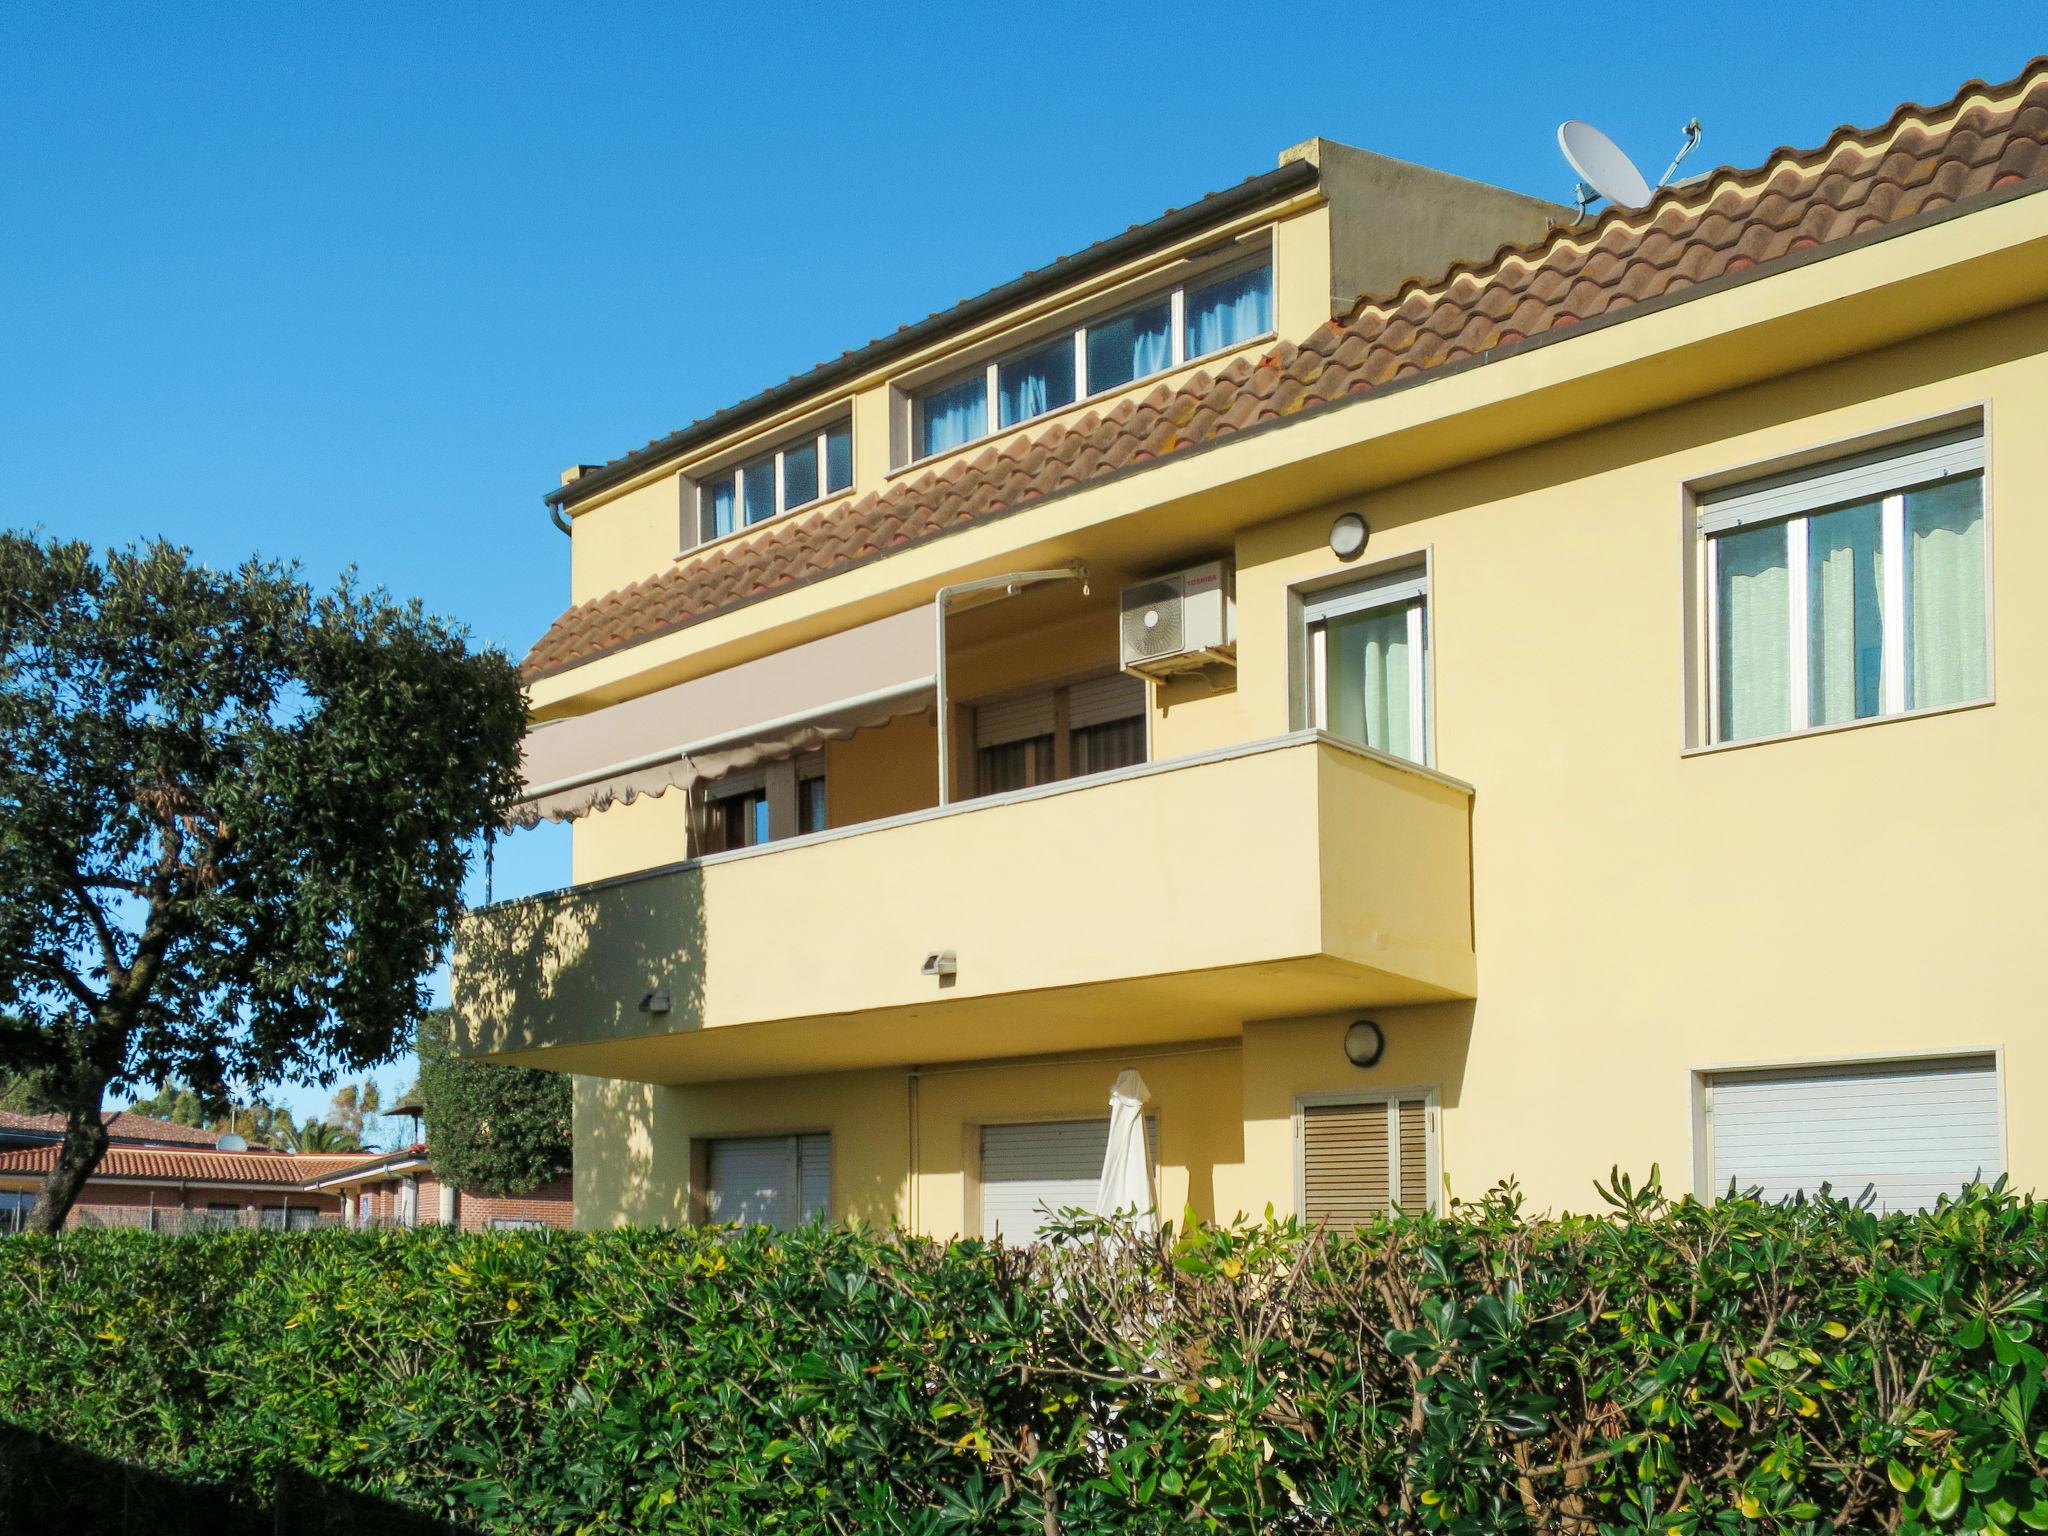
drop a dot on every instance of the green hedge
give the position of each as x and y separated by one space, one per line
1662 1367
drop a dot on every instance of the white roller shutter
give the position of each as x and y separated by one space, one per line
1029 1172
776 1181
1911 1131
814 1177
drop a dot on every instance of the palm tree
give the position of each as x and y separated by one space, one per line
321 1136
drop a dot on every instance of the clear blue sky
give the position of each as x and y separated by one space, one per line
350 284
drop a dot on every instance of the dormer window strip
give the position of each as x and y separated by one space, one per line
797 474
1213 312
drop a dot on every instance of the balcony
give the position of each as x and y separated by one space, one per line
1168 902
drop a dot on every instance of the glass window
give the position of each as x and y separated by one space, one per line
1112 744
1845 622
839 458
1013 765
757 490
1828 611
810 805
1752 603
721 508
1946 641
1369 664
1037 382
948 417
736 821
800 473
1130 346
1228 311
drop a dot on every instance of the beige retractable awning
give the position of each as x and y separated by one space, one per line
763 710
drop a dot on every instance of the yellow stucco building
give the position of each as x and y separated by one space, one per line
1577 704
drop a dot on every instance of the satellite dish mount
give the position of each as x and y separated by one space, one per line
1605 171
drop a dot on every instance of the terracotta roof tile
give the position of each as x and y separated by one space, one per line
121 1125
198 1165
1984 140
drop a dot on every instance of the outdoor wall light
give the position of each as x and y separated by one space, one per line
1363 1043
942 963
656 1001
1348 535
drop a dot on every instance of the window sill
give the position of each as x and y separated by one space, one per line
1713 748
1086 402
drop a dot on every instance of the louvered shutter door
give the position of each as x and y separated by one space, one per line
1414 1155
1029 1172
1102 699
1345 1162
1911 1130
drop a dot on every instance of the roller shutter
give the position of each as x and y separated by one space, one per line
1908 1131
1119 696
1017 718
1359 1156
776 1181
1029 1172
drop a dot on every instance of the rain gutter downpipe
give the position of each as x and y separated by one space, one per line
1009 585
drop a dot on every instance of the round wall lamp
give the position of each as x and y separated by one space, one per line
1348 535
1363 1043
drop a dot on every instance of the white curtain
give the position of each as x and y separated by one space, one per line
1230 311
1031 386
950 417
1845 615
1130 346
1946 639
724 510
1753 615
1370 669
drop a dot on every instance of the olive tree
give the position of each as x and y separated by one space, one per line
234 822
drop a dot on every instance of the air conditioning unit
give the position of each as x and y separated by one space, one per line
1180 623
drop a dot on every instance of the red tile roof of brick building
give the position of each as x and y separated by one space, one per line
122 1125
196 1166
1985 143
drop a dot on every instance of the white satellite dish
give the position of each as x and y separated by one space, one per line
1601 165
231 1143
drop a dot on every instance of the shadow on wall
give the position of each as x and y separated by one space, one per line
612 961
47 1485
629 1169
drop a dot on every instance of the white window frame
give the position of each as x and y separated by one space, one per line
1885 475
706 484
1077 336
1432 1133
1407 584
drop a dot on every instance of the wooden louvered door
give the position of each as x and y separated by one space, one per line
1358 1156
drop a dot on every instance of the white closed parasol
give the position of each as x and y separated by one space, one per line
1126 1186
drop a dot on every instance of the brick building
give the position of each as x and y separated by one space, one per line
172 1178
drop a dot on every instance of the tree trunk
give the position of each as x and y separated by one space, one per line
85 1140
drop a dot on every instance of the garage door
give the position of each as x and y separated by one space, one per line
775 1181
1031 1171
1910 1131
